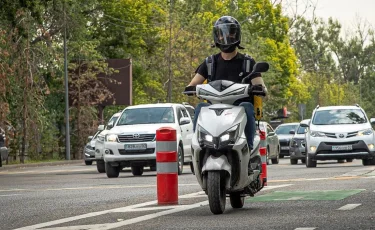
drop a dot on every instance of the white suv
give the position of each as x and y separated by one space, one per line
339 133
131 142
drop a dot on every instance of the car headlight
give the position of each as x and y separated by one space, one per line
365 132
229 136
317 134
111 138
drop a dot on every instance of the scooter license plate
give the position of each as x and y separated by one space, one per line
342 147
284 147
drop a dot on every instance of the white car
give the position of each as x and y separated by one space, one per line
99 142
339 133
131 142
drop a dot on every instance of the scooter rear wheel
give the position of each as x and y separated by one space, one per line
216 192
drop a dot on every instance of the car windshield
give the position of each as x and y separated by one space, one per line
285 129
153 115
301 130
339 117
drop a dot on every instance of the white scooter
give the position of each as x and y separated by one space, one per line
222 162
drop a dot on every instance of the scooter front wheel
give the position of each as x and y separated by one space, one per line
216 192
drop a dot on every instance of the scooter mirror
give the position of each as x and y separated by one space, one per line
261 67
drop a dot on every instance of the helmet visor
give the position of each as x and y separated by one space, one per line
226 34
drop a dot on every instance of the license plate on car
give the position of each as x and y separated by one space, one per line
342 147
284 147
135 146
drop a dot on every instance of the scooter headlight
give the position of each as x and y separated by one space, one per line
229 136
204 136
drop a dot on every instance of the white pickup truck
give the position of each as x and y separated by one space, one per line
131 142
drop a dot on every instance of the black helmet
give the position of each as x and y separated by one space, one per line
227 33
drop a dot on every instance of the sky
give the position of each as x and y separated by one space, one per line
345 11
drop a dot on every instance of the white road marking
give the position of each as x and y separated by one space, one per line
359 172
348 207
90 188
11 195
46 172
304 228
141 206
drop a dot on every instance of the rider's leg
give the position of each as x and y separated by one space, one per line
250 125
197 111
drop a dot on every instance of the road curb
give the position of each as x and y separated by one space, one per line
30 165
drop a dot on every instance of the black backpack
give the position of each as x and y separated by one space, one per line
211 65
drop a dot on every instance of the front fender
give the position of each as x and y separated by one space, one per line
218 164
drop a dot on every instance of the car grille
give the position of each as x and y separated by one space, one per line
284 143
131 152
136 138
342 143
333 135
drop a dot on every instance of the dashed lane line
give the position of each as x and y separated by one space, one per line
304 228
349 207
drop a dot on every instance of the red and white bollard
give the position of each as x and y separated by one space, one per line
167 166
263 154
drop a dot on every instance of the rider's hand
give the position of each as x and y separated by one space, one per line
258 90
190 88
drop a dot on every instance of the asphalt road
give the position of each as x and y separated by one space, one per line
331 196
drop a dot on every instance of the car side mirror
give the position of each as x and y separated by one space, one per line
304 124
184 121
90 138
110 125
292 132
100 127
372 121
271 133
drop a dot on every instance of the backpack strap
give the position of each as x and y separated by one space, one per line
210 67
246 64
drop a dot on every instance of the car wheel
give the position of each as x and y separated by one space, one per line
192 168
1 161
111 171
293 161
100 166
137 170
349 160
309 162
267 157
276 160
366 162
340 161
180 160
88 162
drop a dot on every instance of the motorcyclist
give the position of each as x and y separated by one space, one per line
228 65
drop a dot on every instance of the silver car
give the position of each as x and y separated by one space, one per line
285 132
297 147
89 150
3 149
273 145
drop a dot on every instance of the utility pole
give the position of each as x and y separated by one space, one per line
169 94
67 132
